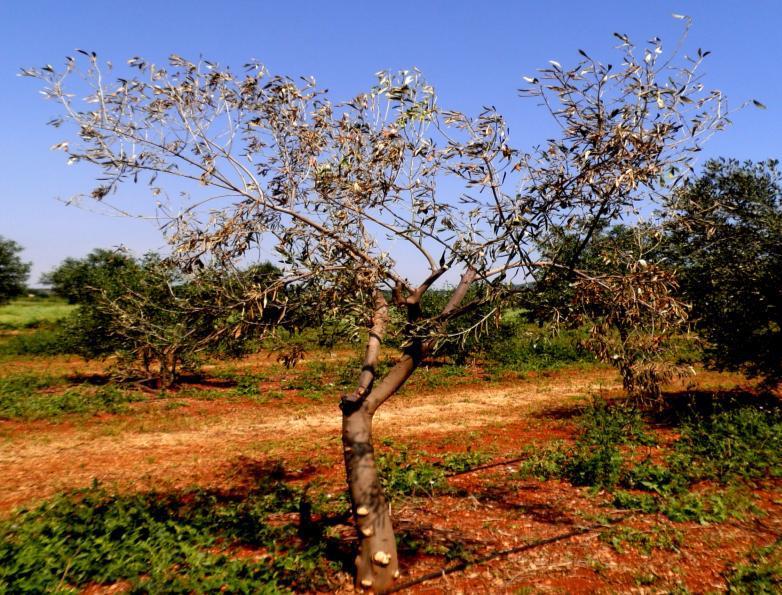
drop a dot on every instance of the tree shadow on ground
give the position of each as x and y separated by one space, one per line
560 412
202 380
243 472
416 539
91 379
677 407
184 381
248 477
509 496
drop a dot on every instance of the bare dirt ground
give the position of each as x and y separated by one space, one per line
526 536
184 446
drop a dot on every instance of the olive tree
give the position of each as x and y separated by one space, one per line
725 236
371 202
634 314
13 271
630 302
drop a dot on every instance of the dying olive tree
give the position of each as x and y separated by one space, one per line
634 314
371 202
629 301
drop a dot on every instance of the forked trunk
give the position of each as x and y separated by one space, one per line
168 361
377 564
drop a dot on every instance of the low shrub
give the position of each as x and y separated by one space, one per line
595 459
761 574
521 347
175 543
24 397
45 340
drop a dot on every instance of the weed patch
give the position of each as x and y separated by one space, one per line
760 574
704 507
595 459
660 537
743 443
730 447
460 462
403 475
177 543
22 397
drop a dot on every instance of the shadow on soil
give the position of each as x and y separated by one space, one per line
677 406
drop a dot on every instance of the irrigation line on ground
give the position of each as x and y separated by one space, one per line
459 566
487 466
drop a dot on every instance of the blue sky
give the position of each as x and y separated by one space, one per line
474 53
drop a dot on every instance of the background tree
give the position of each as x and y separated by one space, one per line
155 317
76 279
13 272
630 302
726 238
352 196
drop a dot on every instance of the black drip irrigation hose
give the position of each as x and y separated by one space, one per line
501 553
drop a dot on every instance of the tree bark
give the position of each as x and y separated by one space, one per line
376 562
377 565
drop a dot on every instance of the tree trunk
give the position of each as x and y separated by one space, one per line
376 562
168 361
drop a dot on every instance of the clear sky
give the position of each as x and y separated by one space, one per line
474 53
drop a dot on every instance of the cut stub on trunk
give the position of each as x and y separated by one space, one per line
376 562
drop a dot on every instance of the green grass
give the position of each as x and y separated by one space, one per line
662 537
30 396
159 543
32 312
761 573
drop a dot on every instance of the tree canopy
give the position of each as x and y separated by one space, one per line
369 202
726 239
13 271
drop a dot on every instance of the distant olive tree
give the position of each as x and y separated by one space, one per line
726 239
630 302
155 317
13 271
354 200
76 279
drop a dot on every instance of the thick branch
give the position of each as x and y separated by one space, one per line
415 353
372 353
416 296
